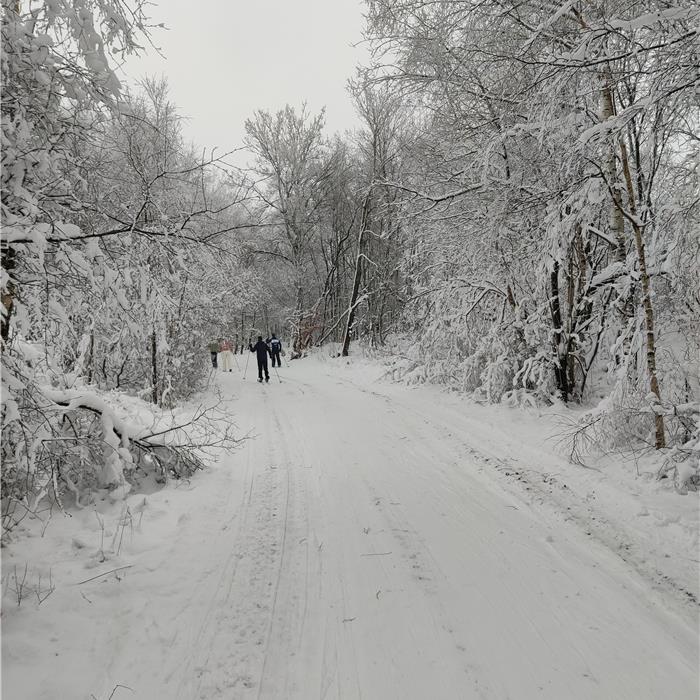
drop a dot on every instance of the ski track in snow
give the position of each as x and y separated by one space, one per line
356 547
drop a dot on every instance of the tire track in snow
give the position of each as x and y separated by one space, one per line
278 577
180 658
203 645
398 582
293 656
227 653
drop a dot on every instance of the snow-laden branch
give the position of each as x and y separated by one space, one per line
430 198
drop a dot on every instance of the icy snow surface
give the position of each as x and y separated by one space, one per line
368 541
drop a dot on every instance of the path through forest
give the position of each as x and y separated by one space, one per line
358 547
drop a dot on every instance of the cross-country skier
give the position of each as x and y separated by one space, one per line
214 350
275 348
261 350
225 349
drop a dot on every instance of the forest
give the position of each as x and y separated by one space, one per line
516 219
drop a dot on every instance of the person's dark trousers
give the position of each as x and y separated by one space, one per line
262 366
276 355
213 360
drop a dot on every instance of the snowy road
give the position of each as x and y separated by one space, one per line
355 549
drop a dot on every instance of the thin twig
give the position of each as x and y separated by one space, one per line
111 571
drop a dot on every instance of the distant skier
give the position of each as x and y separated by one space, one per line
214 350
275 349
225 348
261 350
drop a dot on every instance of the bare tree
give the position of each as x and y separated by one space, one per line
292 165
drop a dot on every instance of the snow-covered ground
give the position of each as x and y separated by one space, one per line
368 541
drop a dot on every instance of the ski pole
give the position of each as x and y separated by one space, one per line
247 359
276 372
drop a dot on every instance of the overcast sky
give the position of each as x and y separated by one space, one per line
226 58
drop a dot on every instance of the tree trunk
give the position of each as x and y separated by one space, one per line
298 313
617 221
660 441
358 274
8 293
154 368
91 354
560 350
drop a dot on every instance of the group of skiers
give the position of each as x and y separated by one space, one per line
262 348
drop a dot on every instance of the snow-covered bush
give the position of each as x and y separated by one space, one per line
65 446
108 262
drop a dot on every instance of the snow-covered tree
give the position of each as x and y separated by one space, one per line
112 229
539 196
292 167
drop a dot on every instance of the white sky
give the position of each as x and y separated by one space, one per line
226 58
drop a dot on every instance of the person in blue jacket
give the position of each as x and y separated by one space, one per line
275 349
261 351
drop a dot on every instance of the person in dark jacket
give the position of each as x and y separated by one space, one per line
261 350
214 350
275 349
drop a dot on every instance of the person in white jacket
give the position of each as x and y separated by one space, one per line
226 355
